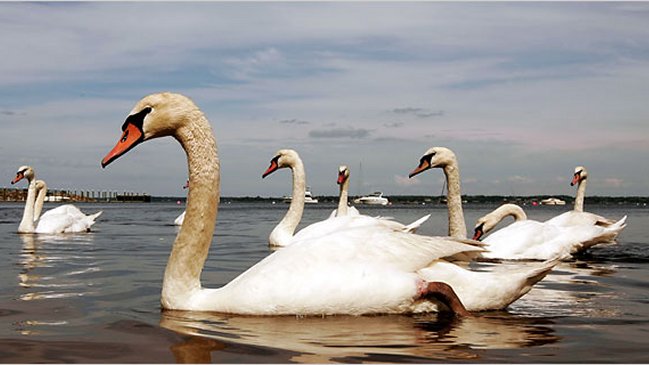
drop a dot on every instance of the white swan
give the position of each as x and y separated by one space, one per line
352 271
284 233
343 197
533 240
577 216
444 158
63 219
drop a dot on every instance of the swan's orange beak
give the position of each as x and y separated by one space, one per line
477 234
19 176
272 168
423 166
341 178
131 137
575 179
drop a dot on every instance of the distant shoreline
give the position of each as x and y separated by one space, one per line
427 199
333 199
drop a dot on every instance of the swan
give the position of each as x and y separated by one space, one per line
577 216
63 219
284 233
352 271
444 158
179 220
343 207
533 240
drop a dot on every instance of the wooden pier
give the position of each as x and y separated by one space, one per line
61 195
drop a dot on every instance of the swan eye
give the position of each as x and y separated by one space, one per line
427 158
137 119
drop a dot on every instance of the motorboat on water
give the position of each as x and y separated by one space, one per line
308 197
376 198
553 201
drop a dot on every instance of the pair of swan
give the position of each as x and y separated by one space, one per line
350 271
284 233
63 219
559 237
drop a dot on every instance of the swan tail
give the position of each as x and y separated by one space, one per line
412 227
93 217
607 237
529 277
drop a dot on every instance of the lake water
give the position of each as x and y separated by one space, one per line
94 298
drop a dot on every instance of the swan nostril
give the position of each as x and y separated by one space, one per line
124 136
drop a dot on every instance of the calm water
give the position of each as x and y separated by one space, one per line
95 298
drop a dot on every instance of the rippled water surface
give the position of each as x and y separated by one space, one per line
95 298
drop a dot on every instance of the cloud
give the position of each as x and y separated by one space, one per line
393 125
612 182
520 179
354 133
418 112
10 113
293 121
405 181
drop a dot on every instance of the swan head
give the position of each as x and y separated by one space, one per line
580 175
155 115
283 158
24 172
343 174
435 157
484 225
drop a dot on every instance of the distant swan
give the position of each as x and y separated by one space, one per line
63 219
343 208
179 220
352 271
577 216
284 233
533 240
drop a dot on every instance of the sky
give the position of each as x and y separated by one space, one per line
522 92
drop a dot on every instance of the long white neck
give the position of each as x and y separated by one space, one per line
506 210
456 224
27 223
189 252
342 202
41 187
579 198
283 232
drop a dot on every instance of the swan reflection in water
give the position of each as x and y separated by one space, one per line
53 267
357 338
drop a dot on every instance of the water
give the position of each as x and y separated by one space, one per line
94 298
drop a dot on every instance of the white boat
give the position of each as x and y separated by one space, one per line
553 201
376 198
56 198
308 197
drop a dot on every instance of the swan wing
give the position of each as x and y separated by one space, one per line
356 270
